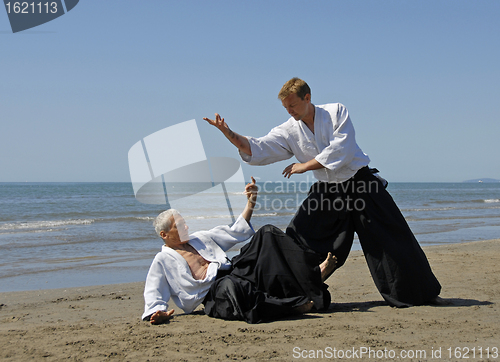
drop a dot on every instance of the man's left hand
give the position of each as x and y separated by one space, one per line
294 168
251 190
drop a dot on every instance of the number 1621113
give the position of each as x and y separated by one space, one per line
31 8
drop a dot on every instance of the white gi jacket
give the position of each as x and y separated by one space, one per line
333 144
170 277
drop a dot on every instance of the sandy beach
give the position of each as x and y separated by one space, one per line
103 322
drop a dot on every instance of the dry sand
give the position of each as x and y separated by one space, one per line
102 323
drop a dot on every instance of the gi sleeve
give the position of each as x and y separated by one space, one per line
271 148
226 236
342 146
156 290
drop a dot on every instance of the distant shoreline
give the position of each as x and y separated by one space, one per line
482 180
353 253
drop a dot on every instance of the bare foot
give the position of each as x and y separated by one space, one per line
304 308
440 301
160 317
328 266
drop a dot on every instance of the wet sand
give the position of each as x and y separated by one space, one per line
103 322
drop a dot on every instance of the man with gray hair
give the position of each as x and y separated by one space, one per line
271 277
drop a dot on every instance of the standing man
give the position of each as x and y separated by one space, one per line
347 198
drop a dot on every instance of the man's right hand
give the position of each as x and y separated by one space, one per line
160 317
241 142
218 122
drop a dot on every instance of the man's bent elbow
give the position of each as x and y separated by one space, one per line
245 149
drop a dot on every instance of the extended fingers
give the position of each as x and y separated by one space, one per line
211 121
287 172
287 168
217 121
218 118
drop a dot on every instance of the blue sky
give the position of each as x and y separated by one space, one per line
420 79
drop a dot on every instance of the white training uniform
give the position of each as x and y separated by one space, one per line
333 144
170 277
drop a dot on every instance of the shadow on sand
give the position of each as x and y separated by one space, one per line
366 306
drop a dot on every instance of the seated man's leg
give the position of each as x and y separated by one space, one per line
233 298
281 267
273 276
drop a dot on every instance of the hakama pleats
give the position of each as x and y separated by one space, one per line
332 213
271 276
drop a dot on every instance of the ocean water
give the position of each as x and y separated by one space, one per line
59 235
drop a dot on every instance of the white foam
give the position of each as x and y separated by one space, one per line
44 224
269 214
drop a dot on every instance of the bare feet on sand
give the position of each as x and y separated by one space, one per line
440 301
304 308
328 266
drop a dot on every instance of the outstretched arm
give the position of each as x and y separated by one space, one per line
251 190
241 142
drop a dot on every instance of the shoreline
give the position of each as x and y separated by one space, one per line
113 275
103 322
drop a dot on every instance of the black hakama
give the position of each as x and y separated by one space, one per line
332 213
271 276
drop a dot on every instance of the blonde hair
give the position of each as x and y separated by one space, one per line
294 85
